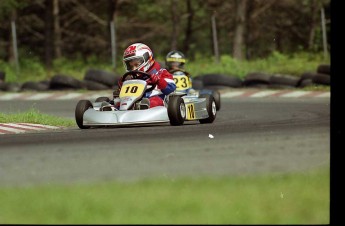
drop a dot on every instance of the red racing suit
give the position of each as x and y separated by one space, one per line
165 85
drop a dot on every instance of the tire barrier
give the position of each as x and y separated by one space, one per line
324 69
103 77
92 85
2 76
95 79
197 84
38 86
63 82
10 86
322 79
322 76
256 79
284 80
220 80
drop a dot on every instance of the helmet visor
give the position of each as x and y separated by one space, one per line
175 65
134 63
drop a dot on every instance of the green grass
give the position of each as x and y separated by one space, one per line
35 116
276 63
295 198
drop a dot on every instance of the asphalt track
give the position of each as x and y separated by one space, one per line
249 136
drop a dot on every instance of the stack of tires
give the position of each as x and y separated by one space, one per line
216 81
322 76
100 80
274 81
94 79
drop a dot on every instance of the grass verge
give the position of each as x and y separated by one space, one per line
35 116
294 198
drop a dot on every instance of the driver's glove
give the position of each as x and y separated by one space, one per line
153 79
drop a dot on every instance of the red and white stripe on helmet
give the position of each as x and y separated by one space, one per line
141 52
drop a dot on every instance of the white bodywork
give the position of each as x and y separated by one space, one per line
195 110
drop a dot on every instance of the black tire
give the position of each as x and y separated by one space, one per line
176 110
322 79
12 86
279 86
106 78
2 76
62 82
214 93
197 84
324 69
101 99
254 78
2 86
37 86
81 107
308 75
222 80
92 85
306 82
211 109
216 96
287 80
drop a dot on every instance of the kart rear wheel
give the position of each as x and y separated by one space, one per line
211 109
81 107
101 99
176 110
216 96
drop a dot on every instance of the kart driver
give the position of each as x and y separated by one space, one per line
139 56
174 62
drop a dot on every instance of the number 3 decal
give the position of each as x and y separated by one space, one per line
182 82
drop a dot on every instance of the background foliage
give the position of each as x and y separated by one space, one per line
53 33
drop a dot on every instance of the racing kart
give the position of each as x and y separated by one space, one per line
184 84
134 108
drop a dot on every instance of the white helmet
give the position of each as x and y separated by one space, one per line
138 56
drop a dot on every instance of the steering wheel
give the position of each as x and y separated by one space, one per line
143 76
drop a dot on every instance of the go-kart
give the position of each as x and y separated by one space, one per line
134 108
184 84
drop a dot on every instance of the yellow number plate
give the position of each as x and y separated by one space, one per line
182 82
135 89
190 112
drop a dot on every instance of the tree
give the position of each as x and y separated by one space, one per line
80 29
188 29
49 34
57 29
241 8
175 24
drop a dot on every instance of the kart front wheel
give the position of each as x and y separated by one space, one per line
176 110
211 109
81 107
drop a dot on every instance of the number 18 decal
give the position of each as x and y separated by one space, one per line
132 90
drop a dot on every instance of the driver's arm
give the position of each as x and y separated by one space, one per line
166 82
